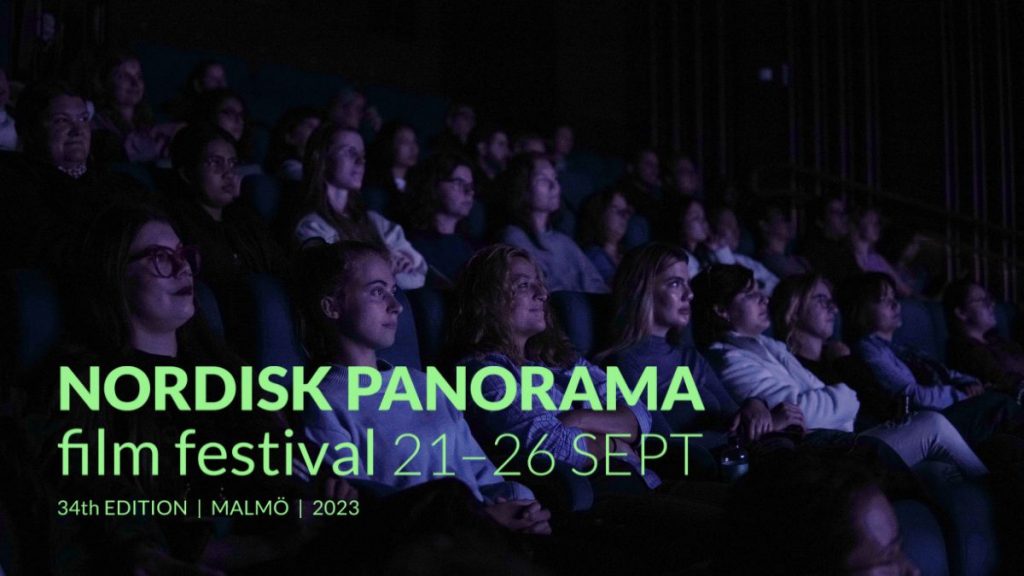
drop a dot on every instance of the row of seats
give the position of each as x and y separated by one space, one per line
36 316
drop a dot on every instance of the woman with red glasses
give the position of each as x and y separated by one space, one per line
131 302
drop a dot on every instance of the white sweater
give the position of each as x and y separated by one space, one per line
761 367
313 225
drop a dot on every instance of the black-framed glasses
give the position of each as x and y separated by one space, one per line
169 262
220 163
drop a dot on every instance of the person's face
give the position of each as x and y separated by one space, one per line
728 229
748 312
672 296
407 150
351 114
616 218
647 169
219 185
777 225
818 315
978 311
529 300
346 160
563 141
869 228
365 307
462 122
213 78
686 177
5 89
545 192
884 313
695 225
67 131
127 83
495 151
531 146
877 551
455 194
231 117
158 304
837 225
299 135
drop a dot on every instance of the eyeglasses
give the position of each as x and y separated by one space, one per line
985 300
220 163
546 181
66 121
824 301
461 185
167 262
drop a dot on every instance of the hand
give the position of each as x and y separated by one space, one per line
400 263
523 516
335 488
785 415
974 389
755 419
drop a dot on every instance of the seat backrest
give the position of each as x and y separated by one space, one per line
275 338
584 318
37 316
918 330
429 308
263 193
406 349
210 309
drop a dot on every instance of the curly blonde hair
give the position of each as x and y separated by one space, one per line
480 323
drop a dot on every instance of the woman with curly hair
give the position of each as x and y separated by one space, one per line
502 320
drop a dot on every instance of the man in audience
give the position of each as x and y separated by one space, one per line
827 247
51 192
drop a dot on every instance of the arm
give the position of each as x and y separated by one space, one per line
394 238
895 378
313 226
745 376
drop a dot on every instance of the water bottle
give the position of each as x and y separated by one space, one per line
734 461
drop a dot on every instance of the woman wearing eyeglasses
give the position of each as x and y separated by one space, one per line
132 303
232 238
334 169
604 221
530 187
442 194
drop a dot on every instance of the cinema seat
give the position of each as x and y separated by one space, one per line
429 309
584 318
918 329
263 194
274 340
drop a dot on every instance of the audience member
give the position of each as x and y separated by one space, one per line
393 153
492 153
826 246
604 221
441 197
685 179
643 184
348 108
51 190
288 143
864 236
530 186
725 244
459 123
502 318
777 232
335 160
123 127
206 76
8 130
530 143
350 305
224 108
731 315
562 142
975 346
